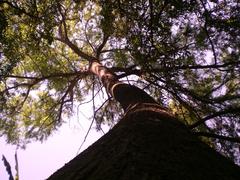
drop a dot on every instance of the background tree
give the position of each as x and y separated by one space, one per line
185 54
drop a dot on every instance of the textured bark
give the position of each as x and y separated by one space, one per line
108 78
147 144
127 95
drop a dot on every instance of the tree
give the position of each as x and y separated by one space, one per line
185 54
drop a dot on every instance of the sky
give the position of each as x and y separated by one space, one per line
39 160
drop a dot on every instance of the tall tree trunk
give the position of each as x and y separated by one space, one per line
127 95
148 143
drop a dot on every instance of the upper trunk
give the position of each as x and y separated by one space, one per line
127 95
148 143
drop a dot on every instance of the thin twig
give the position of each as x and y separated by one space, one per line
93 119
87 38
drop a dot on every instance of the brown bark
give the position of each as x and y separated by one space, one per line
108 78
127 95
147 144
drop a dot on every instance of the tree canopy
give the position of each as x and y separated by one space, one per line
184 53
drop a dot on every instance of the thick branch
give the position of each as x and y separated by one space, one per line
76 49
230 110
211 66
64 37
8 167
207 17
130 70
55 75
101 46
20 10
216 136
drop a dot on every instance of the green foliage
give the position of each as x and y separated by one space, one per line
3 23
184 51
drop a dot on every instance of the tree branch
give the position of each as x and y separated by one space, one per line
211 66
101 46
64 38
129 70
93 119
230 110
21 11
8 167
56 75
216 136
86 36
69 92
76 50
206 12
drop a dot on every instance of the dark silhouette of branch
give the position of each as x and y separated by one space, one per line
16 165
20 10
63 37
76 49
211 66
226 98
207 15
230 110
101 46
130 70
36 80
8 167
216 136
61 102
126 71
94 115
6 90
115 50
69 92
93 119
86 36
88 101
55 75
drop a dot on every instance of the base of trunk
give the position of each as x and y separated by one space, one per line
148 144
